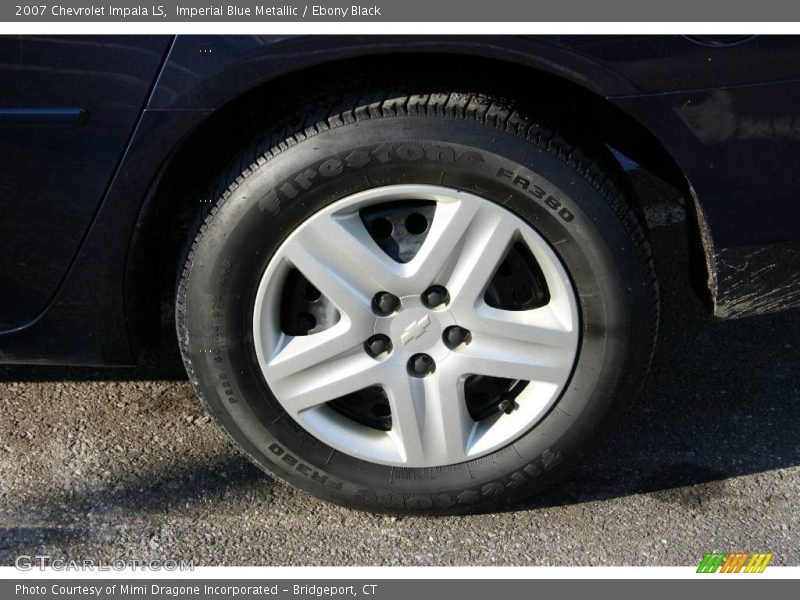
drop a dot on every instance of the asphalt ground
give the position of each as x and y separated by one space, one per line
102 464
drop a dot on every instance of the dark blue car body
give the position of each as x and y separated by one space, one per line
92 130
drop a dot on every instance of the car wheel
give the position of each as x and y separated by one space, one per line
427 303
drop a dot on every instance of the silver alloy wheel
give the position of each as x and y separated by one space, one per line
466 241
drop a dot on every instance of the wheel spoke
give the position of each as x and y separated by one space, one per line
430 421
444 242
464 247
514 359
542 326
407 403
449 421
341 260
311 370
298 353
466 244
482 253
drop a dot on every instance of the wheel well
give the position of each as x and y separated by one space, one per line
172 205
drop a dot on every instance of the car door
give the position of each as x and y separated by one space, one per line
68 106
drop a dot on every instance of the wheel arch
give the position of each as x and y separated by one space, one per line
171 206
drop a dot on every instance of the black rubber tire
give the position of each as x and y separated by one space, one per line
466 141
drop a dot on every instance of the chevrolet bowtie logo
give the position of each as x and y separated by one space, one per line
416 330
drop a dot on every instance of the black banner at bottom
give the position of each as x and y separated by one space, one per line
387 589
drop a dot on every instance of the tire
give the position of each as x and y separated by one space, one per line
459 146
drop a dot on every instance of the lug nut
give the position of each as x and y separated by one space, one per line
435 296
507 405
421 365
384 304
454 336
377 345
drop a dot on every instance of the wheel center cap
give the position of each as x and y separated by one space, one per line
416 328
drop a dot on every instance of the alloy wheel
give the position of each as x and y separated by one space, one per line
416 326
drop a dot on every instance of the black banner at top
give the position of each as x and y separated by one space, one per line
460 11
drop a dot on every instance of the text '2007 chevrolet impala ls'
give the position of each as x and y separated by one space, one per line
408 273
